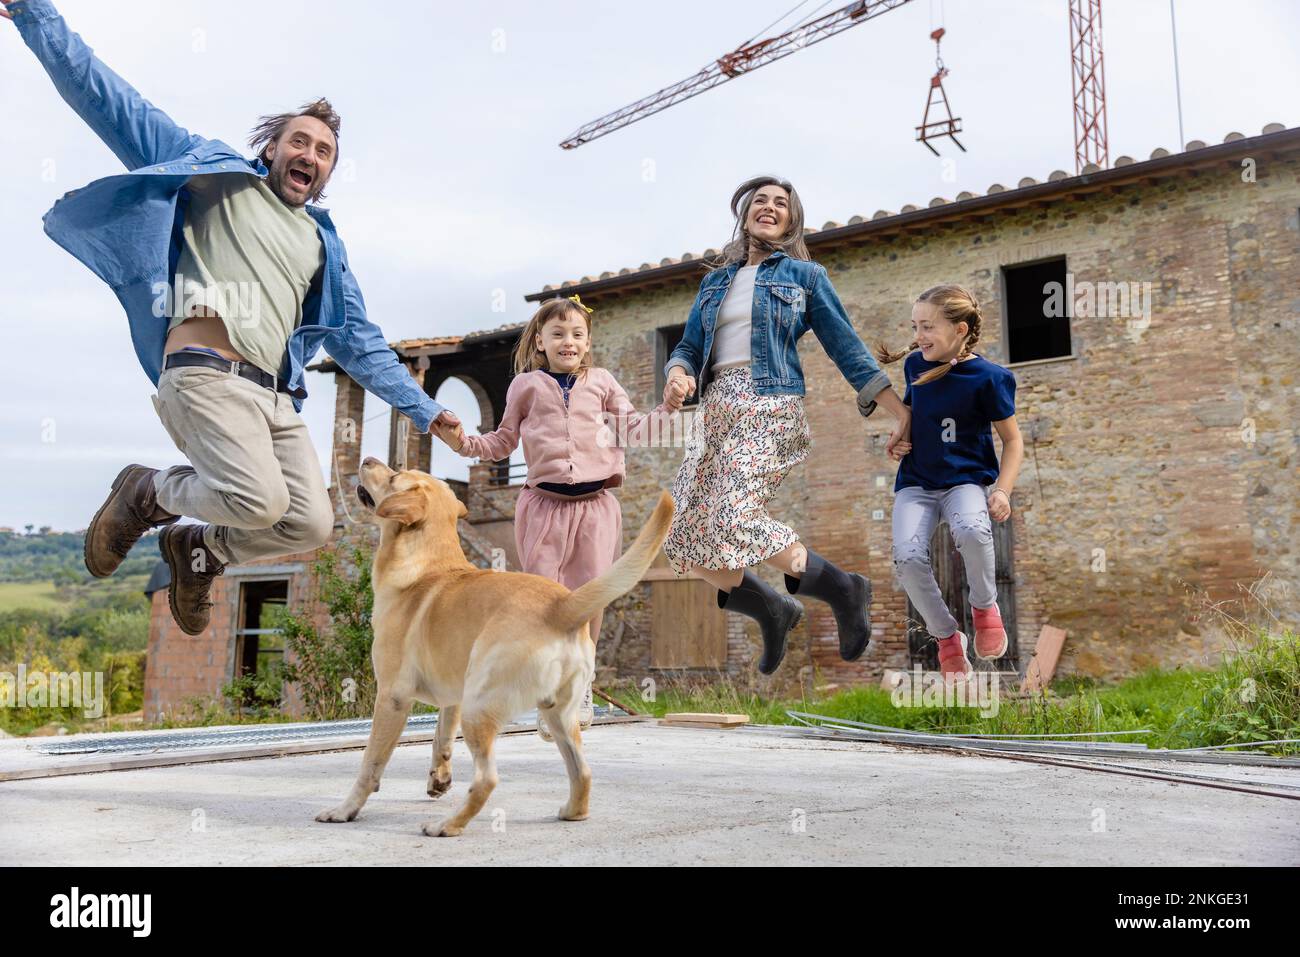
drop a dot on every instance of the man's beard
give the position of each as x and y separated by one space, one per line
275 179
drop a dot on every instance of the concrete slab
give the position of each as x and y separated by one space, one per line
661 796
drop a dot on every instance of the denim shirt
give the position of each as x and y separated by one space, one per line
791 296
127 228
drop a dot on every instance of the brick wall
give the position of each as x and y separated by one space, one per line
180 669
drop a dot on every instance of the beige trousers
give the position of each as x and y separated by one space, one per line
253 475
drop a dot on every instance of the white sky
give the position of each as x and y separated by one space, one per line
454 187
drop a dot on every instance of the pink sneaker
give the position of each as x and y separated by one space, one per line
953 663
990 636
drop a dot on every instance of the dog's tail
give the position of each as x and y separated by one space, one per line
579 606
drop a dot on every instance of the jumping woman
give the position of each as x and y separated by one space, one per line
750 429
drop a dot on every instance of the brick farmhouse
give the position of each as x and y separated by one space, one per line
1157 393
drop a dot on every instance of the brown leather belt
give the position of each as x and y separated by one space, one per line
248 371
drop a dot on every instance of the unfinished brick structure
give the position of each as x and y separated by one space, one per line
1159 420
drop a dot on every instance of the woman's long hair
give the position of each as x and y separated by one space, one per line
737 250
527 356
956 304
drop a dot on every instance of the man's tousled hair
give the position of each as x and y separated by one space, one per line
270 127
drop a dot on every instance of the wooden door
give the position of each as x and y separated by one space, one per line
687 628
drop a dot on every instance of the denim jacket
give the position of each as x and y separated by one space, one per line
791 296
127 228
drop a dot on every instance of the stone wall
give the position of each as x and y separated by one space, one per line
1161 468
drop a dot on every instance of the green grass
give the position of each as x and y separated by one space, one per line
1253 696
42 596
1151 700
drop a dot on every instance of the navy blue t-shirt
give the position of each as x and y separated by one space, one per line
952 435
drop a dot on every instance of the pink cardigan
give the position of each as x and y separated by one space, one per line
579 444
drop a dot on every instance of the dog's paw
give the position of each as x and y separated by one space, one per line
572 814
442 829
338 815
436 788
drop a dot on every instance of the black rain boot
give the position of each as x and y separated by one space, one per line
774 612
848 594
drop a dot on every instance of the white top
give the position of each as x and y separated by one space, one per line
731 339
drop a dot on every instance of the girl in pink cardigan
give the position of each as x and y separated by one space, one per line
573 419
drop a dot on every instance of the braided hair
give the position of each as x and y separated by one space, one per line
956 304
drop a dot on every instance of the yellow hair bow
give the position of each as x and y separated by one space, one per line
574 298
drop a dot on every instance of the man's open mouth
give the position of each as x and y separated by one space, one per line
366 498
300 178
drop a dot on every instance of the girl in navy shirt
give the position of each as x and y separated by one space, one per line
948 468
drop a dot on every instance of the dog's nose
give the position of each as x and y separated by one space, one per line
370 460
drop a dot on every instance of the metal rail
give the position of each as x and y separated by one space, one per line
889 735
1035 752
192 739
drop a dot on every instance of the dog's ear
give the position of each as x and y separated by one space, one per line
405 507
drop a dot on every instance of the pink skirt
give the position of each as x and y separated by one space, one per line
568 539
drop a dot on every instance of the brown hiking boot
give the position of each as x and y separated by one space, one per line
193 567
129 511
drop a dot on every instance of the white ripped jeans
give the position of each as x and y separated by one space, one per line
965 509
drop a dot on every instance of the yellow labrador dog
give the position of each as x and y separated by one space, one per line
483 646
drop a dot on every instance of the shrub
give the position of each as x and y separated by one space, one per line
332 669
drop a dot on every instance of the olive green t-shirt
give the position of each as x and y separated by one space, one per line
248 257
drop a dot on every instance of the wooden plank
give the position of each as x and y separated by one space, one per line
1046 655
710 725
715 718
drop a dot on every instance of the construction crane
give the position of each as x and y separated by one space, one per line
1085 50
745 58
933 129
1088 80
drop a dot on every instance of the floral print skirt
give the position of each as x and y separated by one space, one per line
740 447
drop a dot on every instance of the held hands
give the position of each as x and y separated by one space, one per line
454 437
448 428
900 440
899 443
678 388
999 505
